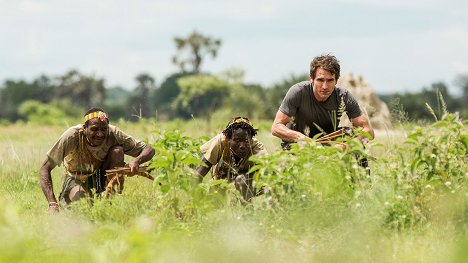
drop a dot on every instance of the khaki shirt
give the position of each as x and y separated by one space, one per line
80 158
216 150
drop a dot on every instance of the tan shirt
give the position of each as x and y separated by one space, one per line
218 154
80 158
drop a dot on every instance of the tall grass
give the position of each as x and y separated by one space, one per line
321 206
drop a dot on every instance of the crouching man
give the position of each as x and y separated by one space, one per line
86 151
229 153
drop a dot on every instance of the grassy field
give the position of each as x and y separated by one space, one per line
321 207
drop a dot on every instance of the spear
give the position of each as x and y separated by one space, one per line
331 136
116 176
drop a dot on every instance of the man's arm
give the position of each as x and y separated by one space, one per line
46 184
362 122
146 154
280 130
202 170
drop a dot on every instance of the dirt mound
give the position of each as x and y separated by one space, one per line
371 105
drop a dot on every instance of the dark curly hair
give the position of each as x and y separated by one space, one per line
239 123
327 62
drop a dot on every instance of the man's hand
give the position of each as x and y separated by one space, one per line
363 123
197 179
280 130
134 166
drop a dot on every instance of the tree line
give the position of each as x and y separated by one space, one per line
418 106
188 93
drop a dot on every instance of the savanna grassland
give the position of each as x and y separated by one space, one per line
320 205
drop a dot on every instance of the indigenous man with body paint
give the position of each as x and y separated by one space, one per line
86 151
229 153
314 107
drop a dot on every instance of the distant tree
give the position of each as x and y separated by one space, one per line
40 113
462 82
71 110
244 100
116 102
200 95
276 93
163 98
43 89
415 103
11 96
139 101
193 49
13 93
84 91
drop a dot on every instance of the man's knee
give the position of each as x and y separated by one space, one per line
240 180
77 193
115 157
116 152
243 183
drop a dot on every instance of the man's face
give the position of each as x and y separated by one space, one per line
323 84
96 131
241 143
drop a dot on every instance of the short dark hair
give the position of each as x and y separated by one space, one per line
239 123
327 62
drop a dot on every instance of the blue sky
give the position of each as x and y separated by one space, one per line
397 46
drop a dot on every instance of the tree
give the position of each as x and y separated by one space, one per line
41 113
16 92
11 96
197 46
436 96
164 96
275 94
43 89
244 100
200 94
139 100
84 91
116 102
462 82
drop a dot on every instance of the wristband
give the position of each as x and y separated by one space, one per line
53 204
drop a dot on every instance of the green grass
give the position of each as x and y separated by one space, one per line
321 207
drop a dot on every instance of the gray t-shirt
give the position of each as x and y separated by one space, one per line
312 117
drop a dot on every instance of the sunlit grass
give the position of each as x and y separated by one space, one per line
137 226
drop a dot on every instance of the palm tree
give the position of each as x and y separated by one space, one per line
198 47
140 99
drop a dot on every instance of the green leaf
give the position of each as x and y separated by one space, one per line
165 188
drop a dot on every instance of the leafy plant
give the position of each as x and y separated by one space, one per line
432 164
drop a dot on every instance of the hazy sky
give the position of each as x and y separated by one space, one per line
397 45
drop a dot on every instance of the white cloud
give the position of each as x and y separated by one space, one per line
392 62
269 39
419 4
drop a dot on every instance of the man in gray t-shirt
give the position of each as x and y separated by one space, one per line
315 107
